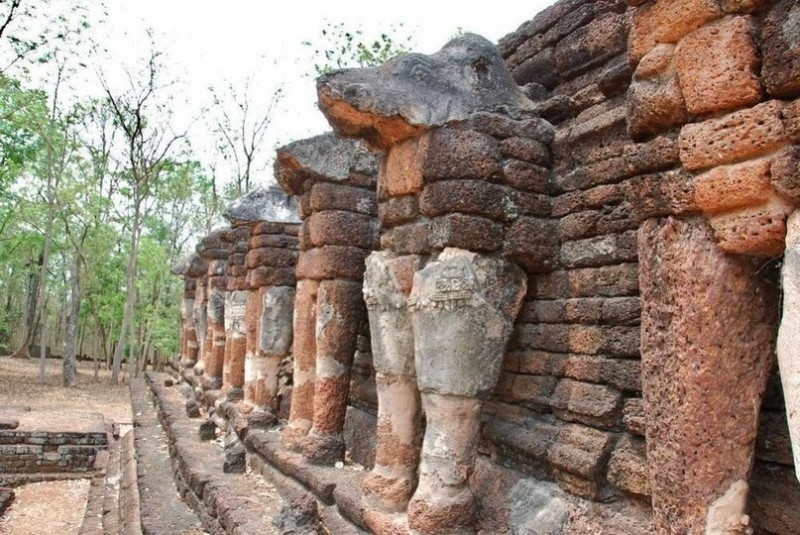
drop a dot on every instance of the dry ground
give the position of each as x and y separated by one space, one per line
19 385
55 507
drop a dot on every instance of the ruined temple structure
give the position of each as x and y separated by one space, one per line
193 271
269 287
335 181
549 286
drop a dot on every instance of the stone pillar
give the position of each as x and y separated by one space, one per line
387 283
305 351
335 180
708 339
201 319
789 334
463 309
271 220
235 303
214 250
445 199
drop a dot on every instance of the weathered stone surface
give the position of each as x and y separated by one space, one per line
398 210
533 244
476 197
463 309
600 251
788 342
773 443
654 101
708 327
591 45
340 310
270 257
529 150
402 172
526 177
627 466
772 502
780 48
784 173
326 158
666 21
607 281
387 281
595 405
733 186
336 227
500 125
717 66
263 204
271 276
734 137
578 457
633 418
509 500
331 262
466 232
304 365
412 238
451 153
755 230
634 159
327 196
413 92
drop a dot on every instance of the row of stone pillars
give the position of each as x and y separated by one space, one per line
442 288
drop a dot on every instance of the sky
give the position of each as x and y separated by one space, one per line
210 43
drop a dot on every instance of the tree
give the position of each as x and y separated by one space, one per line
342 47
240 123
148 143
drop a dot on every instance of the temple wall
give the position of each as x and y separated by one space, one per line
569 406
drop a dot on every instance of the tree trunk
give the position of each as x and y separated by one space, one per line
130 302
71 328
29 324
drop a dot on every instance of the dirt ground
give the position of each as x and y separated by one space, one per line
19 385
57 506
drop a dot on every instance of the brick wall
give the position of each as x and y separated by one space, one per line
26 452
628 121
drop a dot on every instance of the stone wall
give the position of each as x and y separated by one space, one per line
669 108
640 196
50 442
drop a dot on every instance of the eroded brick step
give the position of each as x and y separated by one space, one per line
162 509
228 503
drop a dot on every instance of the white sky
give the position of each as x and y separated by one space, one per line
212 43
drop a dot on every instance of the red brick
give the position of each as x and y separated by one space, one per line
412 238
452 154
717 66
733 186
328 196
332 262
271 257
341 228
466 232
476 197
734 137
666 21
398 210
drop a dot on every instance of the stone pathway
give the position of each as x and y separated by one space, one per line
241 504
162 509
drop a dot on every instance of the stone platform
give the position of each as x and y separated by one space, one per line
50 442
